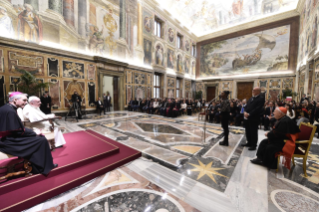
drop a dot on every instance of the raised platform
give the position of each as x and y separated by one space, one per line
85 156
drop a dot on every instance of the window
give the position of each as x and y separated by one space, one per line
179 41
177 88
158 27
194 50
157 86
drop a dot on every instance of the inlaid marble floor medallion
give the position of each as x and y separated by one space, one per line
178 145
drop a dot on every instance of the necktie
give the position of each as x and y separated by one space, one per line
242 109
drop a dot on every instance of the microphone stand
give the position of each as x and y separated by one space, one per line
204 129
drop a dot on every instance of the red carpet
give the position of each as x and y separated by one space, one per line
85 156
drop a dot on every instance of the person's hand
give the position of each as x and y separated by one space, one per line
266 134
269 117
38 132
246 114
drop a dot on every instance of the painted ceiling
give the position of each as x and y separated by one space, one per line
203 17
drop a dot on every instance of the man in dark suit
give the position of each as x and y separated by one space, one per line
163 108
100 106
269 116
107 102
76 103
46 103
252 116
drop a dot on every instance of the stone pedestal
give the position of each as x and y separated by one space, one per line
68 12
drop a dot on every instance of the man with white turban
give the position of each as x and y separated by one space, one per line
33 113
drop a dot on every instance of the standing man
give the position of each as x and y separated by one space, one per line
107 102
225 109
269 116
100 106
252 115
46 103
23 142
77 102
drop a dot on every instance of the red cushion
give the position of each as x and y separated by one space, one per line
305 132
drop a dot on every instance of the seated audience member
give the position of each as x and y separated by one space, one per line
23 142
304 116
100 106
137 104
290 111
266 153
269 116
33 113
154 107
217 112
130 105
183 107
189 107
169 108
163 108
176 108
316 118
211 112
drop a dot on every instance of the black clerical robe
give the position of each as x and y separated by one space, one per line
275 142
45 104
23 142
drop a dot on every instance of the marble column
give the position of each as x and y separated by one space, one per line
122 19
56 5
68 12
82 11
33 3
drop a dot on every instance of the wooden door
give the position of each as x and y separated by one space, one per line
116 93
210 93
245 90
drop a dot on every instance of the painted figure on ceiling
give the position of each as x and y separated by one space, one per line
193 68
6 27
29 25
96 44
171 34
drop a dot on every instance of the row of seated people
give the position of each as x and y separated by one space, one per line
169 107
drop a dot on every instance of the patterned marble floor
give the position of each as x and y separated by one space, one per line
184 170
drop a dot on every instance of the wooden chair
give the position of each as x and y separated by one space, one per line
11 166
303 144
49 136
202 113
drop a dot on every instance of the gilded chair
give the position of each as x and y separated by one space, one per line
303 144
12 166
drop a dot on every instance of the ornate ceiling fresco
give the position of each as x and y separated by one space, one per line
206 16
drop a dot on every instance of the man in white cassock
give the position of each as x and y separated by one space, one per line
33 113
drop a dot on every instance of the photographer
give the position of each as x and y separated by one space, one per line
77 101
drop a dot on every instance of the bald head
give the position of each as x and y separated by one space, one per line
256 91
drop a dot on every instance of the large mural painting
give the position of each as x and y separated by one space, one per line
262 51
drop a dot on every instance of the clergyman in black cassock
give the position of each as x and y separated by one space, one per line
266 153
46 103
23 142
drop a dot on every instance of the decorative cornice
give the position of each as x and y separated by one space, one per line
109 61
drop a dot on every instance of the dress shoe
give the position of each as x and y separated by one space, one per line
256 161
223 143
55 165
252 148
247 145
